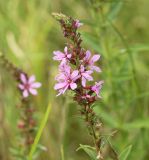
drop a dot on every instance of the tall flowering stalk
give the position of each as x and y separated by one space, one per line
26 86
75 71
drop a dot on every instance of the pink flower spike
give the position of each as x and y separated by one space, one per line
28 85
78 24
63 57
91 60
85 75
97 87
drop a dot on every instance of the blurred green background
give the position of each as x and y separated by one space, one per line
28 36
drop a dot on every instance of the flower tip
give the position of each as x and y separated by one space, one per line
78 24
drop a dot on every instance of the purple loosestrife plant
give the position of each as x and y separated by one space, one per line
26 86
75 71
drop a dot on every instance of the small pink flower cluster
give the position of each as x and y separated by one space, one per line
76 79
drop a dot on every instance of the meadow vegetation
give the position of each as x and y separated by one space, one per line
115 29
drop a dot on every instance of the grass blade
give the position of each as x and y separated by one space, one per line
125 153
37 138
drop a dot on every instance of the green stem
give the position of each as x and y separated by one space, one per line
62 153
91 126
37 138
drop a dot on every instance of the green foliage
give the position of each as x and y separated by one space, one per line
89 150
125 153
137 124
91 41
115 9
28 36
39 133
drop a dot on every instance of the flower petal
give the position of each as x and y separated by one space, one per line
68 56
95 58
74 74
36 85
65 88
58 55
60 77
60 92
89 72
82 68
97 87
87 55
31 79
25 93
66 50
87 76
77 23
23 78
97 69
64 61
67 70
64 68
99 83
83 82
33 91
60 85
21 86
73 86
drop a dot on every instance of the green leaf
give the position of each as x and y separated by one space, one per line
89 22
39 133
89 150
91 41
41 147
137 48
39 150
111 121
114 9
125 153
14 151
121 78
140 47
137 124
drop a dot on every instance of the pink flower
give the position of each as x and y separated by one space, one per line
97 87
85 75
90 61
66 80
28 85
64 69
60 56
77 23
